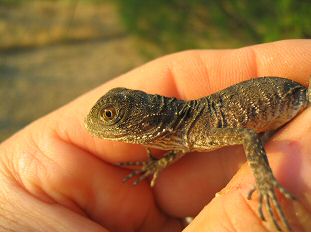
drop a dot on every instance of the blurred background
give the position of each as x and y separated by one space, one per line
53 51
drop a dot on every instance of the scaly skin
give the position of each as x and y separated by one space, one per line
235 115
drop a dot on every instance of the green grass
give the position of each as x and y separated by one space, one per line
177 25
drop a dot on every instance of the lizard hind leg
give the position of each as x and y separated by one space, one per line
265 199
261 197
266 184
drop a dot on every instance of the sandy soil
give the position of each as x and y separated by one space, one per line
39 73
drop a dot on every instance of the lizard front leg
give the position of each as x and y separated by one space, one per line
153 166
266 184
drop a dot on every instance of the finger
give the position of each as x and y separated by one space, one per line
187 75
59 173
289 155
23 212
228 212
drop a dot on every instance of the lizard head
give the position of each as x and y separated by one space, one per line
129 116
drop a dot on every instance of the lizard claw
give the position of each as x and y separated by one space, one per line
249 197
286 194
260 212
152 166
130 175
268 198
149 167
130 163
250 193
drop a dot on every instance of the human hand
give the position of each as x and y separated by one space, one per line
57 177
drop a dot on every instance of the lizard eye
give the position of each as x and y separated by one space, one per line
108 113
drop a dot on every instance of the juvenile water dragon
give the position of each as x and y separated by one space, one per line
235 115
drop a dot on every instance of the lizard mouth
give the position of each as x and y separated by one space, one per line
96 129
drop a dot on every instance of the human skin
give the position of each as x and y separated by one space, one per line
55 176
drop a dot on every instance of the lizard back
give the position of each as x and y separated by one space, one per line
262 104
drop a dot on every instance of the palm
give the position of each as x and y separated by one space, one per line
58 162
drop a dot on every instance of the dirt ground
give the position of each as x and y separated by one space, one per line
44 63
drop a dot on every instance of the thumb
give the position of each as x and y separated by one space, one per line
230 210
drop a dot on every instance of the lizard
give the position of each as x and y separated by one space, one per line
236 115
